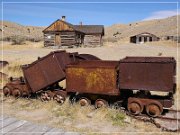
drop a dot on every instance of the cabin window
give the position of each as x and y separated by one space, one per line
49 37
150 39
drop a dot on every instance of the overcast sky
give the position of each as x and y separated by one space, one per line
102 12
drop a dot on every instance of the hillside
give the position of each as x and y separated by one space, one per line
159 27
14 29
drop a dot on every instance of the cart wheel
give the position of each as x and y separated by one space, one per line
16 93
59 98
43 97
154 109
99 103
25 94
135 107
7 91
84 101
48 96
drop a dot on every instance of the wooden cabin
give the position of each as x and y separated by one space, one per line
62 33
143 37
93 34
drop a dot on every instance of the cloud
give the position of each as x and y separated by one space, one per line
162 14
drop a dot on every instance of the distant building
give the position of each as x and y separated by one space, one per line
62 33
143 37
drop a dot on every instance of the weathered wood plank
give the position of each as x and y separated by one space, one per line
16 127
7 122
55 131
71 133
22 133
12 126
31 127
3 117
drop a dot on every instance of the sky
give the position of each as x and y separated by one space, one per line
43 13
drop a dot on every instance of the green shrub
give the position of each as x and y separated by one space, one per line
117 117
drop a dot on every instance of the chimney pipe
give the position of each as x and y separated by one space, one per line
63 18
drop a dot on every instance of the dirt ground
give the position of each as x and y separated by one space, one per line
85 120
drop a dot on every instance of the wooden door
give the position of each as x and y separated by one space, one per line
58 40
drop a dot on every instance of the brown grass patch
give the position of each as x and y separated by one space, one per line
26 45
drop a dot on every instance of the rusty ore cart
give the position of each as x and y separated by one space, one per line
43 76
131 80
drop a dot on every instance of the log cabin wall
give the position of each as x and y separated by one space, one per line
49 39
92 40
66 38
71 38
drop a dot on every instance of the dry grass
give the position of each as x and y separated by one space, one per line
13 70
164 43
26 45
67 116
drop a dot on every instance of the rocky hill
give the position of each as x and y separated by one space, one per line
159 27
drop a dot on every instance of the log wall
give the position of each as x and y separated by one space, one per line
67 38
49 39
92 40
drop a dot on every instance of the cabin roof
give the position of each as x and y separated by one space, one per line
86 29
144 33
90 29
69 24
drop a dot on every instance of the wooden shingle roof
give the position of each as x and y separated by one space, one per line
90 29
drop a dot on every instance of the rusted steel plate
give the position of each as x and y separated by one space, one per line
98 77
87 57
147 73
76 57
47 70
148 59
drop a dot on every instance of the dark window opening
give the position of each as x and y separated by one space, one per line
145 39
150 39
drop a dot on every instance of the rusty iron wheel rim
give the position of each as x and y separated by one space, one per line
48 96
25 94
16 93
59 98
84 102
6 91
134 108
99 103
153 110
42 97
